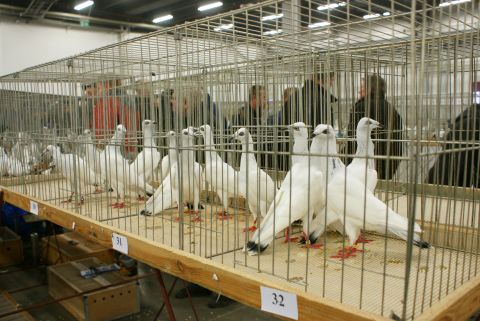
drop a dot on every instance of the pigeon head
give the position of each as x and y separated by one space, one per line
298 130
121 129
368 124
49 151
191 131
172 138
323 130
187 138
87 132
203 130
147 123
241 135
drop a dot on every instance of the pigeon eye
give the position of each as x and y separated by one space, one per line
185 133
202 129
325 131
296 128
241 134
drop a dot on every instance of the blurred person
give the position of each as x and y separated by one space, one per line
291 112
109 110
373 104
256 112
86 103
318 99
460 168
145 102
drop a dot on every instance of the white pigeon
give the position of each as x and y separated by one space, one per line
73 168
114 166
25 150
147 161
187 173
4 161
324 157
297 198
17 168
300 142
258 186
164 196
221 176
119 173
356 206
363 167
93 158
164 166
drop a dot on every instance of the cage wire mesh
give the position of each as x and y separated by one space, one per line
120 135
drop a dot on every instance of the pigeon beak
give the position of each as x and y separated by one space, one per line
379 125
196 132
231 138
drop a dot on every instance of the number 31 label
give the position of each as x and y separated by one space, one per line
120 243
279 302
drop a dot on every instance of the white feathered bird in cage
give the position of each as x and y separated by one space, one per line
259 187
348 197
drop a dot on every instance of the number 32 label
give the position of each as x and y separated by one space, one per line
279 302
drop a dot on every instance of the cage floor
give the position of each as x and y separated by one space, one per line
372 278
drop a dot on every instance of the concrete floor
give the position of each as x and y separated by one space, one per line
14 278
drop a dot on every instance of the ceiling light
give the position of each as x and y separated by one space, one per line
449 3
371 16
83 5
162 18
319 24
224 27
272 32
272 17
331 6
386 14
210 6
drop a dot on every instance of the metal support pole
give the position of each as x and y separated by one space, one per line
166 299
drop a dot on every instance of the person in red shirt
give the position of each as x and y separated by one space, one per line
110 110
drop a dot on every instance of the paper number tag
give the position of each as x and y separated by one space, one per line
33 207
279 302
120 243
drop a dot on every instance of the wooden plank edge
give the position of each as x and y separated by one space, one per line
458 305
238 285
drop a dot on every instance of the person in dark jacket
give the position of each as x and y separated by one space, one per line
317 100
291 111
256 113
182 109
460 168
373 104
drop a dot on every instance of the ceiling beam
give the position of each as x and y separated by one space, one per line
156 5
78 17
114 3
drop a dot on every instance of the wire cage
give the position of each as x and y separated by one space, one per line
119 135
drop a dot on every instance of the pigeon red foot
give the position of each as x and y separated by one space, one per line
362 239
119 205
346 252
196 218
288 238
223 216
252 228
